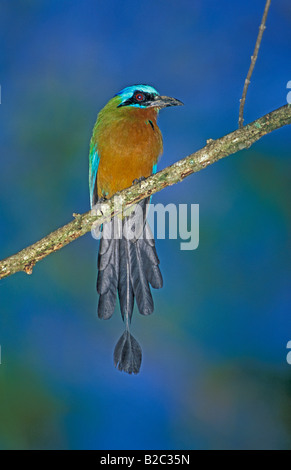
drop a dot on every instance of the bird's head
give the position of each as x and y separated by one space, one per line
144 97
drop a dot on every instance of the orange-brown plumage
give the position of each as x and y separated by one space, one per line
129 143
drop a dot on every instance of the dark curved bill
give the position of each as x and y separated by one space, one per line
164 102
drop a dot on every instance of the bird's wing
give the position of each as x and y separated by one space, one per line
94 160
93 168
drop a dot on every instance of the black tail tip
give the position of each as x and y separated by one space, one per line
127 354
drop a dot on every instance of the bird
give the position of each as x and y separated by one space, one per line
125 146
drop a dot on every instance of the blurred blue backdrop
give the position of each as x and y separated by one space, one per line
214 372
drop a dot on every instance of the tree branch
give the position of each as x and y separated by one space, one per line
253 63
213 151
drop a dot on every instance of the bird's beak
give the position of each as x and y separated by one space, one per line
164 102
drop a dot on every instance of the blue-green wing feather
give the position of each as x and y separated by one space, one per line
93 169
155 168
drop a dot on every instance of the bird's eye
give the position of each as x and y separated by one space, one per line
139 97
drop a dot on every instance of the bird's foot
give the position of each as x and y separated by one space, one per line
138 180
99 203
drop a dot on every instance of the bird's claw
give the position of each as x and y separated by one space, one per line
138 180
100 201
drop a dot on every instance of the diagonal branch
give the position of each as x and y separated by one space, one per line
214 150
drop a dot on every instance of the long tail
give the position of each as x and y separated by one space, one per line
127 265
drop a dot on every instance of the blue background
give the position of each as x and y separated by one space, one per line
214 372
